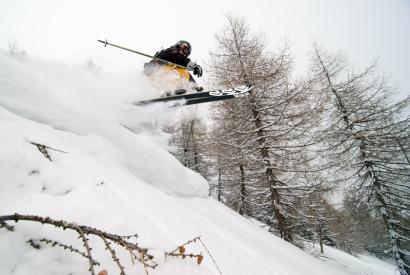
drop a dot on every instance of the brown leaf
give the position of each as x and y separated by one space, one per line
103 272
199 259
181 250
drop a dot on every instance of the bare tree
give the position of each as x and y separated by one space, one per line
368 139
269 130
188 138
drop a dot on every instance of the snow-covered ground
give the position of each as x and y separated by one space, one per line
110 169
362 264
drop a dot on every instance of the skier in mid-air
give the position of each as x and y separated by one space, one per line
176 54
174 61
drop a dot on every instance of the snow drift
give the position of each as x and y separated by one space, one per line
104 169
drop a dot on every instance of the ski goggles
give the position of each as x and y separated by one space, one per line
185 49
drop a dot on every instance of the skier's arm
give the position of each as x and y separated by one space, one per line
179 59
174 58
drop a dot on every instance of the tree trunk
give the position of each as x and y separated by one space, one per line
284 230
242 208
320 236
219 184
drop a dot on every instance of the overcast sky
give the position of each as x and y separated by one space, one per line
67 30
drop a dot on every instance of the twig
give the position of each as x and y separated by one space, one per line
210 255
88 249
188 242
181 251
143 252
86 230
66 225
33 244
143 263
184 255
5 225
57 150
129 236
69 247
114 256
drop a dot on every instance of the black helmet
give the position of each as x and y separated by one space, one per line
185 46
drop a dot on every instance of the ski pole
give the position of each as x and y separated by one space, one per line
140 53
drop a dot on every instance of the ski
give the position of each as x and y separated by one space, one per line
200 97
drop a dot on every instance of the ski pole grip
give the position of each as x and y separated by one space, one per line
104 42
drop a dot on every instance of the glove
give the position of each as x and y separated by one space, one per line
195 68
198 70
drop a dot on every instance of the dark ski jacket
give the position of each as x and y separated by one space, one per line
170 54
173 55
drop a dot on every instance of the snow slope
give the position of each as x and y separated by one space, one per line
363 264
108 171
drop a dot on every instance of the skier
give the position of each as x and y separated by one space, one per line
177 54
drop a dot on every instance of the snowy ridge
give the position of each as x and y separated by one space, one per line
104 175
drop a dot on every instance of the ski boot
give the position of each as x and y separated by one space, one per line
176 92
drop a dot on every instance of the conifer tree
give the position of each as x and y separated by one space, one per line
188 138
368 139
265 132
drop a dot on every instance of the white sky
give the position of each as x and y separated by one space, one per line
68 29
